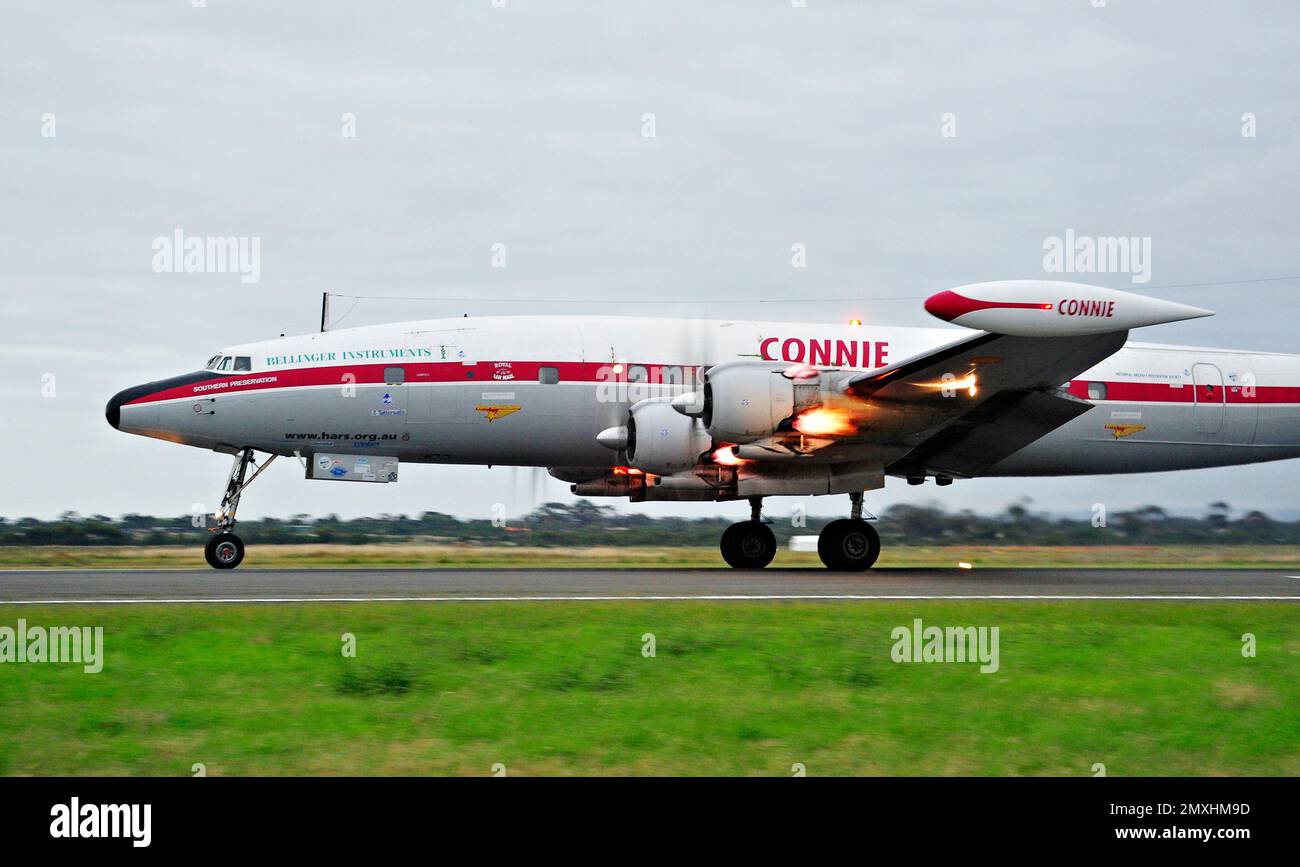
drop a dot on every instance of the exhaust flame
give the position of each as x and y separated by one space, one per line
726 458
826 421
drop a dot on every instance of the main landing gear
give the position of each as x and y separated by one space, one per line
225 550
750 544
847 545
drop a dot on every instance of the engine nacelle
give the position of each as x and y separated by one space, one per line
746 401
661 440
1051 308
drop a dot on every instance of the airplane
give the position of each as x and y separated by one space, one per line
1039 379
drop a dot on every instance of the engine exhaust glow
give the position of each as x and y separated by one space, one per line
825 421
725 457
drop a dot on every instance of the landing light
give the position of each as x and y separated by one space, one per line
967 383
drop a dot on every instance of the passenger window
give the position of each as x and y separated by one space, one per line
394 375
548 375
1096 391
243 363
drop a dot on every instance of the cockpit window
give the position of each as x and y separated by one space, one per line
237 363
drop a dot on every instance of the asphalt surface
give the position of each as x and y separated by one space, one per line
293 585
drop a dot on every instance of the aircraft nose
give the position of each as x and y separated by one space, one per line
138 402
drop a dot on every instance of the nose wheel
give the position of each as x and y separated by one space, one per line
225 550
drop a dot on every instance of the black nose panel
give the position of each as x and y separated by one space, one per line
113 412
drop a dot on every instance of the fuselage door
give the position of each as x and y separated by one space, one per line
1210 398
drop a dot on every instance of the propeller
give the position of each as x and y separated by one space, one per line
528 489
701 351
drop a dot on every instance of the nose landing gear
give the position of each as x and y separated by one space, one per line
749 544
225 550
849 544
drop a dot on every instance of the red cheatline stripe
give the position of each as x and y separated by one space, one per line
1160 393
486 373
503 373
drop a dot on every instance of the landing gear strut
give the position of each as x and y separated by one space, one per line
225 550
750 544
849 544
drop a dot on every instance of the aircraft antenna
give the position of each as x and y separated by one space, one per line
325 312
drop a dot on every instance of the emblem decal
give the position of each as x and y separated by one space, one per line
1125 430
494 411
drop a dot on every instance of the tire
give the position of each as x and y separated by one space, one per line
847 545
224 551
748 545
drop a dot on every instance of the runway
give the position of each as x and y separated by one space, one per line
452 585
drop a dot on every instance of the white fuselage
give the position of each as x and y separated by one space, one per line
536 391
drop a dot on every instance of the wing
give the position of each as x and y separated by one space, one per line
963 407
967 405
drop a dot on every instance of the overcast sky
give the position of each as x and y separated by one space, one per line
525 125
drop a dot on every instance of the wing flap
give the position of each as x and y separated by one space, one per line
996 429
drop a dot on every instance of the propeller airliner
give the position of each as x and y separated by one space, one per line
1039 379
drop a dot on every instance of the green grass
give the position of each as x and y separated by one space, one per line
735 688
448 556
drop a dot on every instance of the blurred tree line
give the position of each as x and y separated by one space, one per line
584 523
